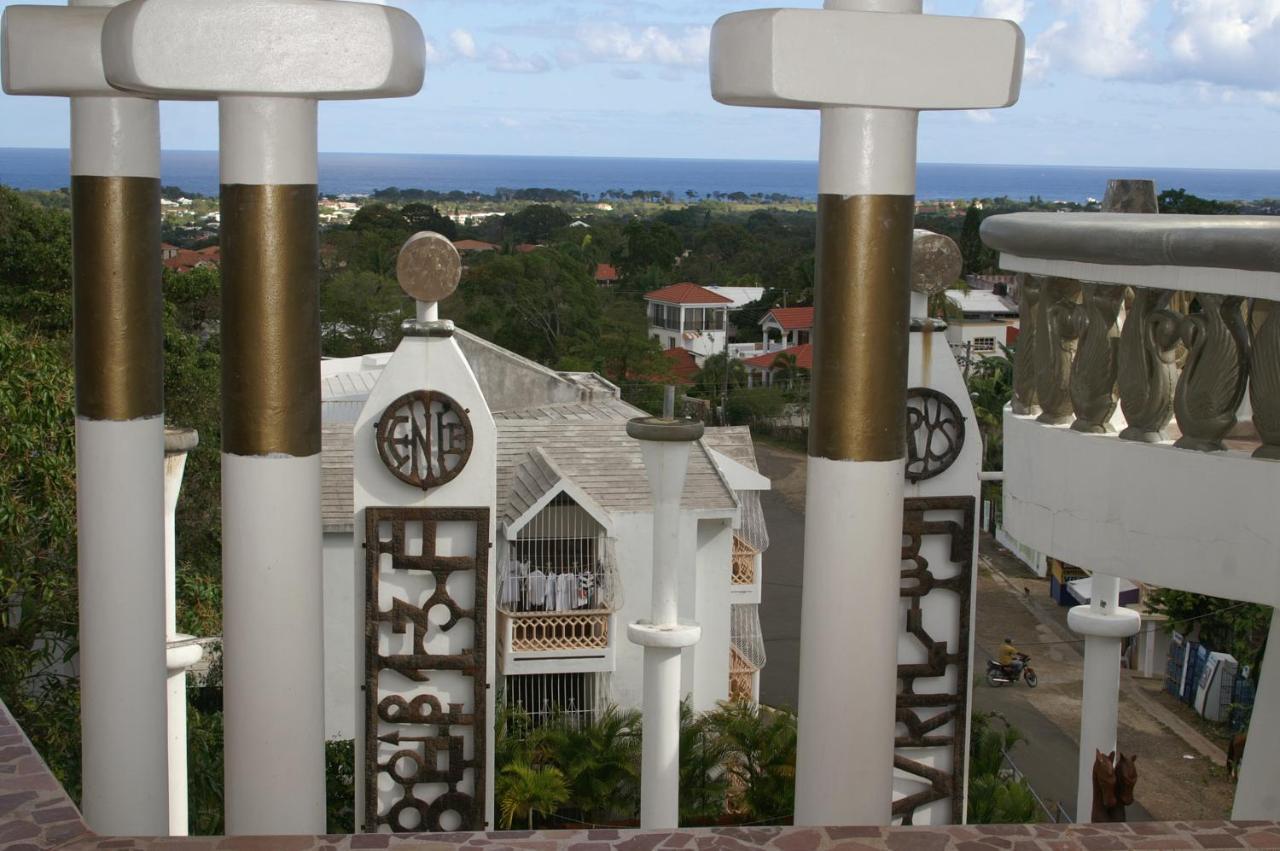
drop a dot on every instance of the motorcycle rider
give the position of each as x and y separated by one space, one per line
1010 659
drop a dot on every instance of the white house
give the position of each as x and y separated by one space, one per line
988 319
571 503
688 316
786 327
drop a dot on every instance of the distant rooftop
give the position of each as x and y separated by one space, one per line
791 318
686 294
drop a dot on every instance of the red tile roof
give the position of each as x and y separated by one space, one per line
474 245
605 272
683 365
185 259
792 318
686 294
526 247
803 355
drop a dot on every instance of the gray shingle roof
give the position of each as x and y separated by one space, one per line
733 441
530 481
337 500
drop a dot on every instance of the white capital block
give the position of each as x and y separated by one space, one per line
814 58
320 49
53 50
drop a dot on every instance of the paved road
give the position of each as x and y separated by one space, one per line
1048 757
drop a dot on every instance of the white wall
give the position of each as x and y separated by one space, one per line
1196 521
705 666
341 690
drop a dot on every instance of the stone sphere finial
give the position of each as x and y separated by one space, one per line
936 262
428 267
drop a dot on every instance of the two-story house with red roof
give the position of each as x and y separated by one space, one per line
688 316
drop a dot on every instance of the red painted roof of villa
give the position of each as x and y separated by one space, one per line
686 294
792 318
803 355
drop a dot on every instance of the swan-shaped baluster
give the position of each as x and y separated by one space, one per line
1148 372
1213 381
1097 359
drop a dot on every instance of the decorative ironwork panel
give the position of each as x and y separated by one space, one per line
424 438
426 744
935 433
926 714
539 631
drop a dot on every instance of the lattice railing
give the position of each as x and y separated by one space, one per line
534 631
744 562
741 676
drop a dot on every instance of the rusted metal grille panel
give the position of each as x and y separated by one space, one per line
926 714
414 737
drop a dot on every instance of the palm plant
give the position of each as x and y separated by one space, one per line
760 758
600 762
991 388
704 784
524 789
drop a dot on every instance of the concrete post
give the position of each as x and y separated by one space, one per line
181 650
268 63
1105 624
869 66
118 345
665 444
1258 787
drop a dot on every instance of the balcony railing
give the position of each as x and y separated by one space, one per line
744 562
1158 327
544 631
1146 396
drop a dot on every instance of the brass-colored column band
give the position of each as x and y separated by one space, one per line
861 339
117 303
270 320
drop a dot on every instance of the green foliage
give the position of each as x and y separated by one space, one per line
649 245
536 223
753 404
1180 201
340 785
35 263
524 790
1225 625
704 784
978 258
760 748
361 313
204 770
991 388
995 795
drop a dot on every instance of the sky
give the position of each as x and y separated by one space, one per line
1172 83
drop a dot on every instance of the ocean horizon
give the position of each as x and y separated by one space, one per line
361 174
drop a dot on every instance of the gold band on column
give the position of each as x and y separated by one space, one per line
861 318
270 320
117 303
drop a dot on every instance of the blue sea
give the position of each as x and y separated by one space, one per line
356 174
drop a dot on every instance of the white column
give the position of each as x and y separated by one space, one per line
1105 624
273 612
120 542
848 641
1258 788
120 513
181 652
665 445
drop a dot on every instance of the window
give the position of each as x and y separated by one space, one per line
571 699
984 344
671 342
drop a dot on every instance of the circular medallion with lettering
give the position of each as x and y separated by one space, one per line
935 433
424 438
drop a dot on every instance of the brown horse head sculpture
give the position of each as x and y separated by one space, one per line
1126 778
1104 780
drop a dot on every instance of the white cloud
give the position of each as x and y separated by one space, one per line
1227 42
463 43
1099 38
1009 10
649 45
508 61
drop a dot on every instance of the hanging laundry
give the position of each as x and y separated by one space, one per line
566 592
549 600
537 590
586 584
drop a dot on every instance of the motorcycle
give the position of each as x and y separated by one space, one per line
998 675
